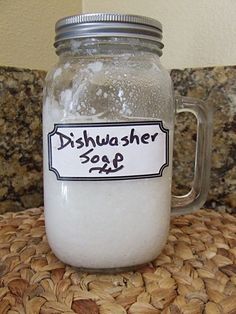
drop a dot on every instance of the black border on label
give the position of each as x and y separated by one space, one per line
108 124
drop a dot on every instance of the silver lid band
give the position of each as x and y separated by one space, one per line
108 25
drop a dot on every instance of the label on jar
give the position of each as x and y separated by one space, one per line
108 151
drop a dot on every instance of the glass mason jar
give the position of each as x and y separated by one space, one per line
108 121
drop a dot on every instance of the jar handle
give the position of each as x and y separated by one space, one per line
196 197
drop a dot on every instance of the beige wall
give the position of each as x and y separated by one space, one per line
196 32
27 31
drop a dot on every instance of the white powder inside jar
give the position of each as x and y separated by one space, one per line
99 92
95 66
57 73
106 224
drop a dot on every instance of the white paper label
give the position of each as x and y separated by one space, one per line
108 151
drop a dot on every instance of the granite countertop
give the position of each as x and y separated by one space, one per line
21 139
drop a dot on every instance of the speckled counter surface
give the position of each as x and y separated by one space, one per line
217 87
21 139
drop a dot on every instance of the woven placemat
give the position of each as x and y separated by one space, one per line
196 272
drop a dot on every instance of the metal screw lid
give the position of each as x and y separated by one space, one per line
108 25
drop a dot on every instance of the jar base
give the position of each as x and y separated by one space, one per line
114 270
